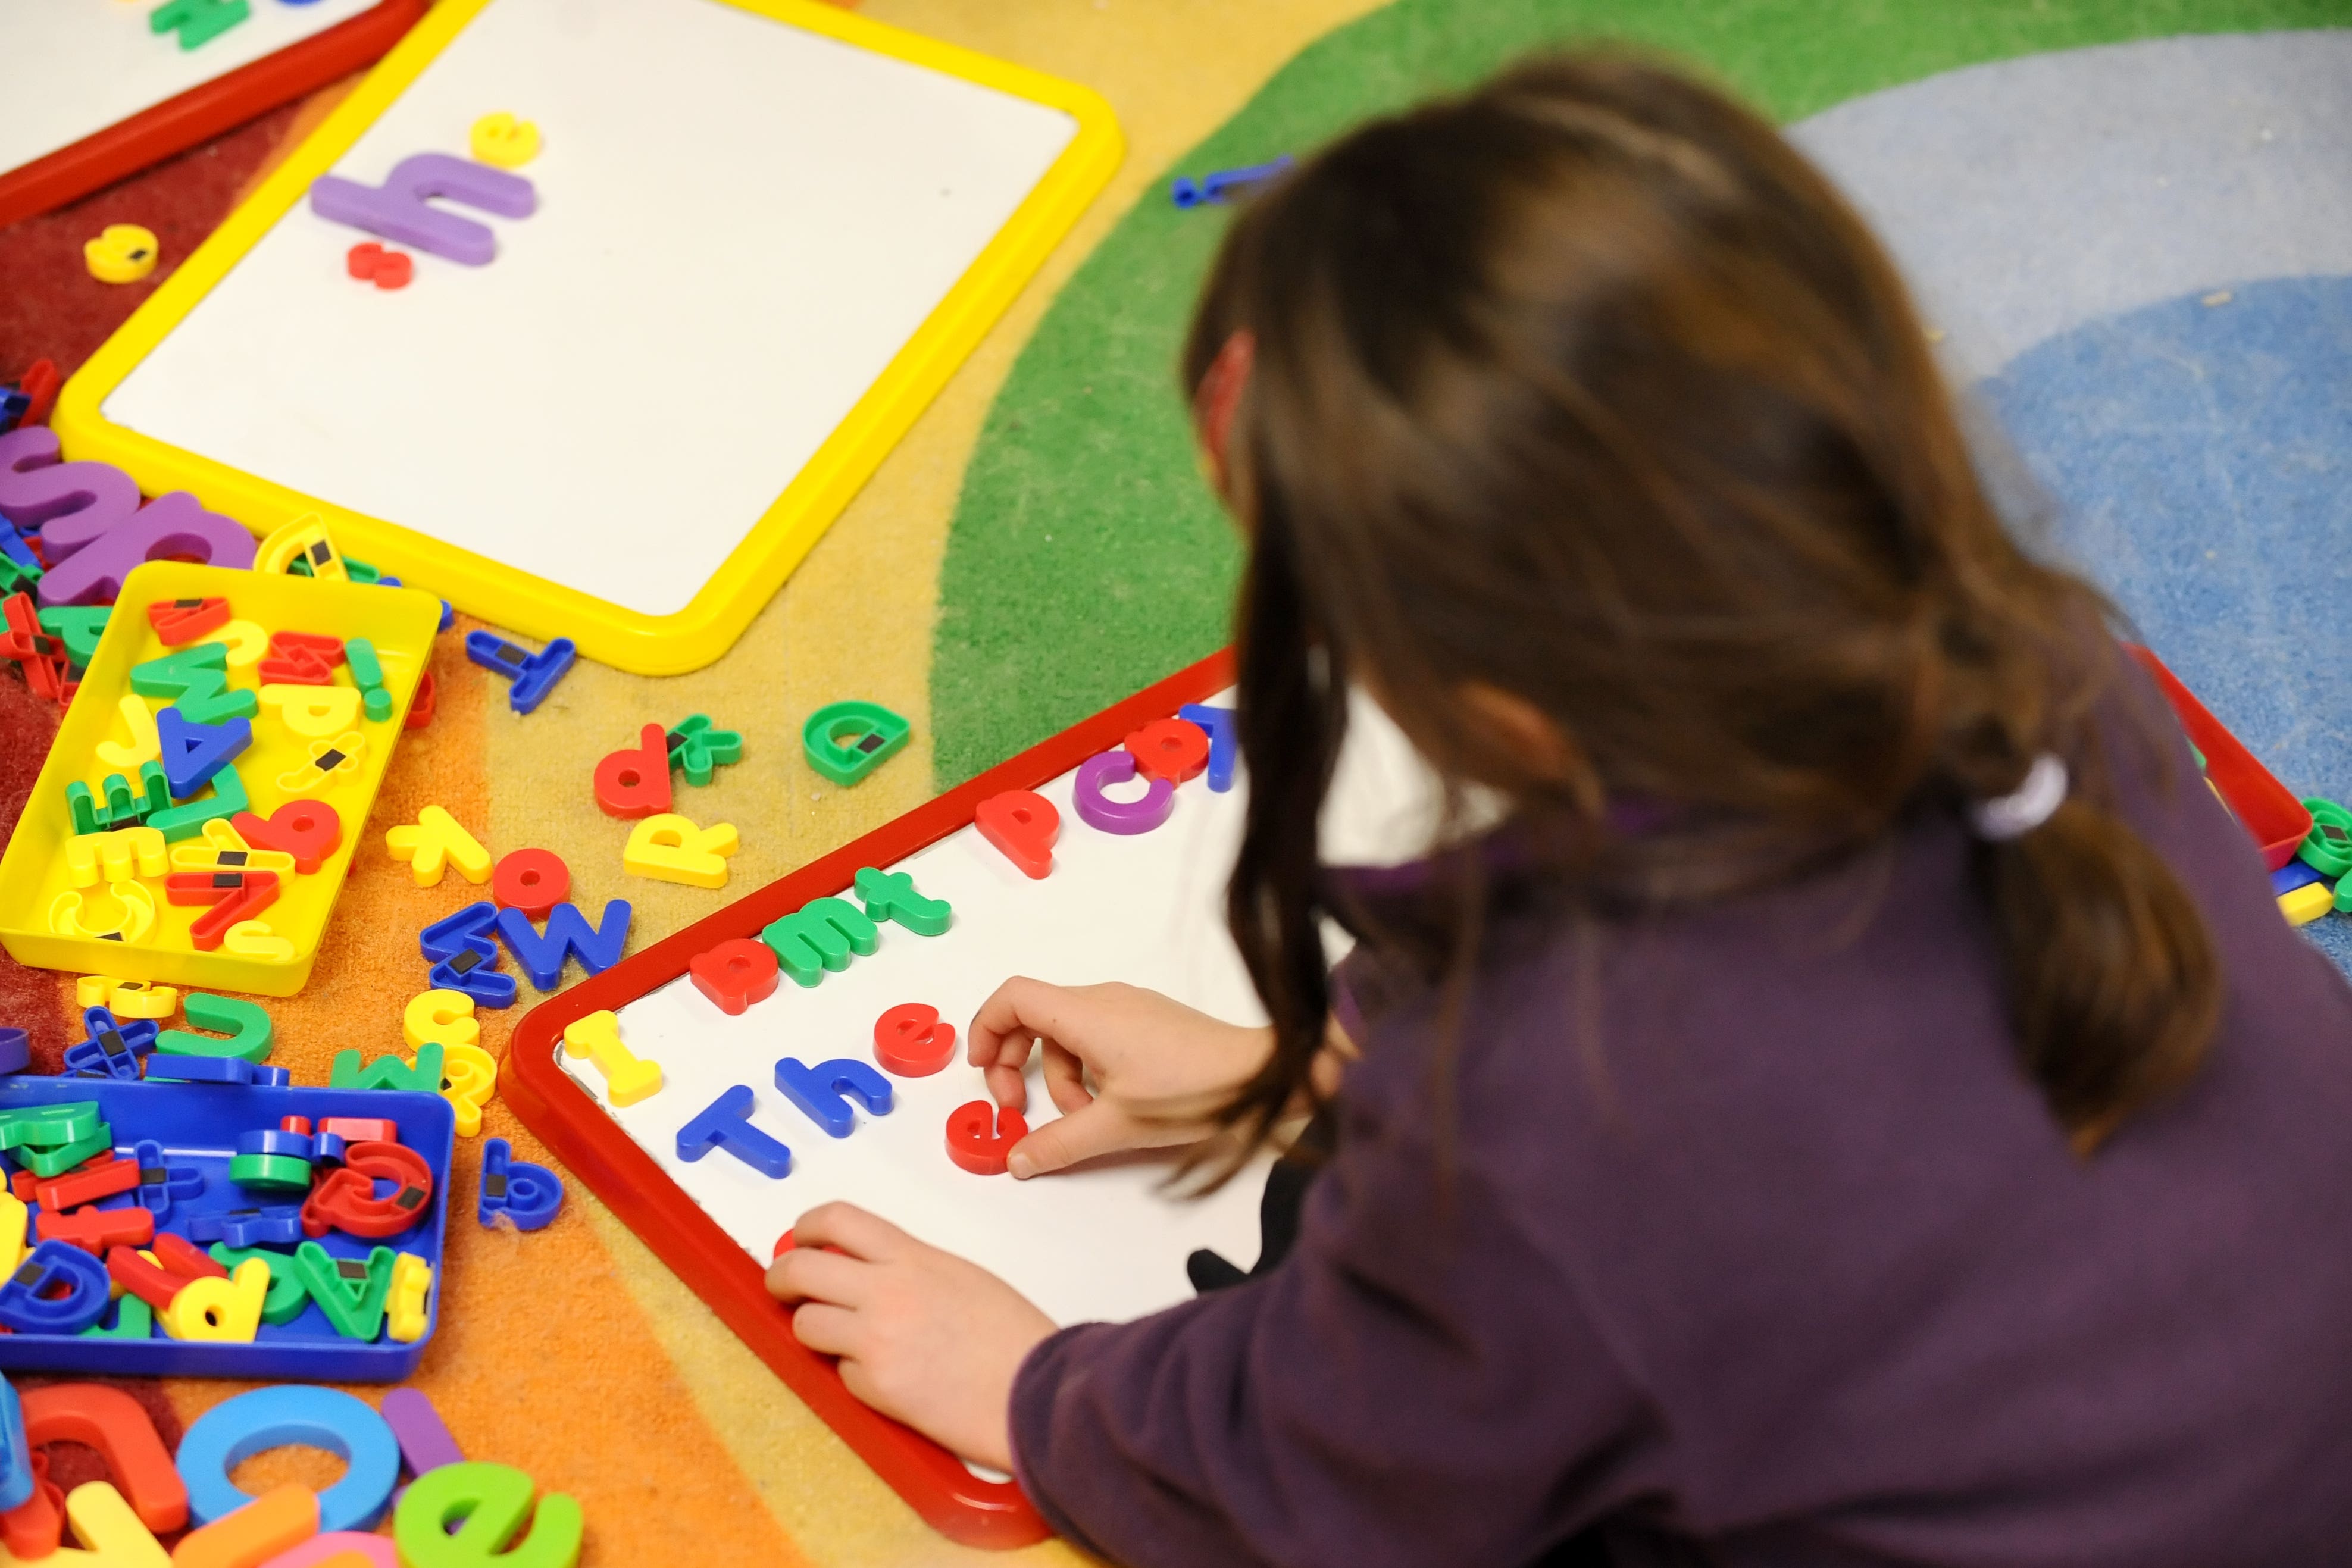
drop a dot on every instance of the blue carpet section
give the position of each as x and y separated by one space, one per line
2201 456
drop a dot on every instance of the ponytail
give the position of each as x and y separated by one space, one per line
2114 983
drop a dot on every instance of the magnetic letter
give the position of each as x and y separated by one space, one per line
397 209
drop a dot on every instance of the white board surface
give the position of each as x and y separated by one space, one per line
740 225
69 68
1096 1244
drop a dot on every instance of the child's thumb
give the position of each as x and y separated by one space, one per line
1090 1130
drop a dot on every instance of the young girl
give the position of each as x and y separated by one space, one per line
1858 1104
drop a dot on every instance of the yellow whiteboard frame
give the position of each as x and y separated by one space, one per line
757 567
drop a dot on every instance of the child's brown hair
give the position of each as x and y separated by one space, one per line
1586 388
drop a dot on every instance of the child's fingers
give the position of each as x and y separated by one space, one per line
806 1275
827 1330
1066 1079
1016 1013
851 1228
1008 1088
1094 1128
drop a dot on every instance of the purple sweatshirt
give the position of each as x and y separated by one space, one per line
1779 1259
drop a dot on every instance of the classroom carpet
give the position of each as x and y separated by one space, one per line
2070 182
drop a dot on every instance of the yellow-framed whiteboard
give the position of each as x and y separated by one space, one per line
762 235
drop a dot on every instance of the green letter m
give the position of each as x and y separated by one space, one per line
820 936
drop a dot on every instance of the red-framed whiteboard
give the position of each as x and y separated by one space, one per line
714 1264
204 111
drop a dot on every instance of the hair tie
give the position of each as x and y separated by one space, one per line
2024 809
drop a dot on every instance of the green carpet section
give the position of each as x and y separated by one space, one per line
1088 559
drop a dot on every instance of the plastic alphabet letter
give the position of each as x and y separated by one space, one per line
225 849
699 751
533 674
529 1195
445 1016
352 1294
30 1301
228 797
735 973
287 1297
412 1282
178 621
823 1092
532 880
220 1310
80 627
397 210
305 539
476 976
433 844
724 1123
981 1136
160 1182
494 1501
568 934
198 21
1022 824
196 679
99 1230
179 1068
126 998
346 1200
118 856
139 721
634 780
314 713
388 1072
110 1049
470 1076
309 830
245 1024
1175 749
820 936
1098 810
473 929
1223 740
627 1078
193 753
891 895
670 848
911 1040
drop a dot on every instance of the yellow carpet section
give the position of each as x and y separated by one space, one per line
573 1352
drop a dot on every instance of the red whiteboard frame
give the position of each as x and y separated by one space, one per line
950 1498
203 112
2265 808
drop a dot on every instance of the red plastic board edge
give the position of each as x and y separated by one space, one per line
2262 805
203 112
935 1483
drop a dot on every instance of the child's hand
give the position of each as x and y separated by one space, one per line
922 1335
1160 1069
